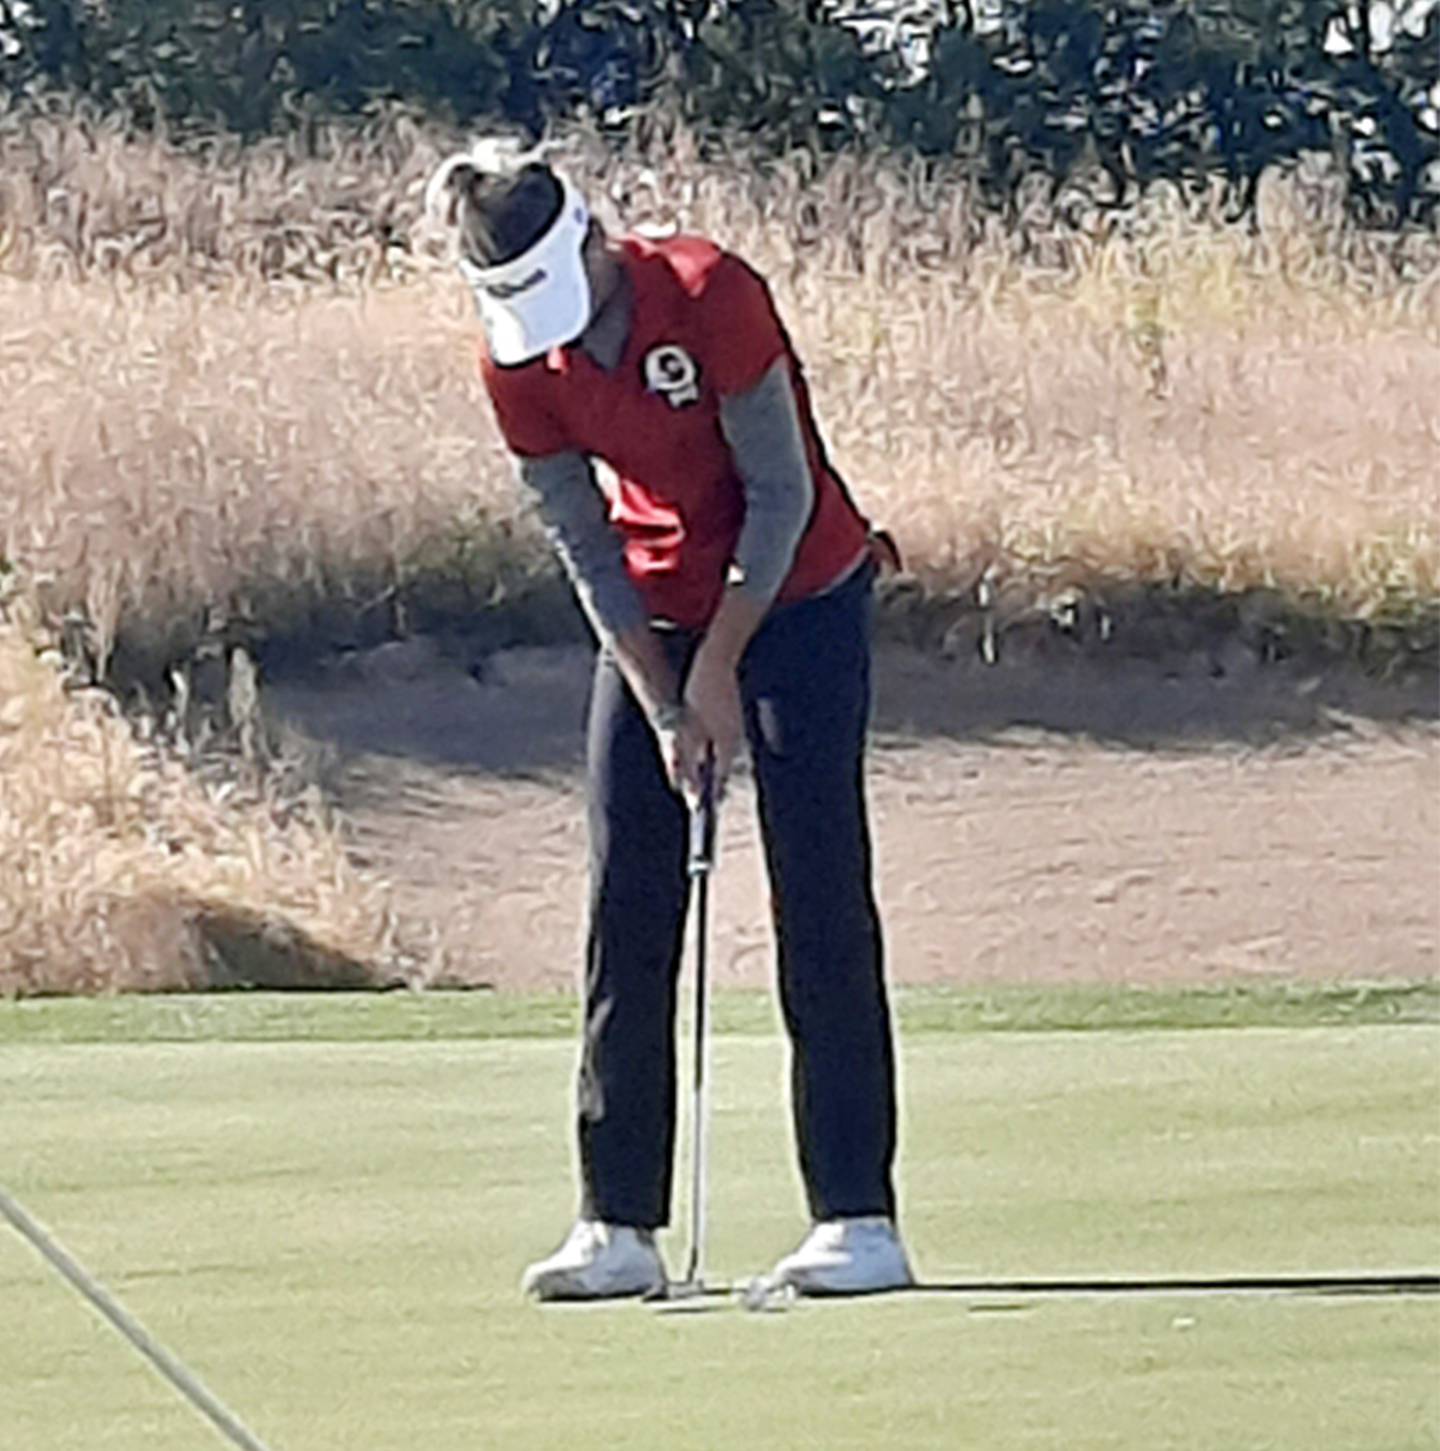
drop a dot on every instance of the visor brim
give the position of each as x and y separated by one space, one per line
541 299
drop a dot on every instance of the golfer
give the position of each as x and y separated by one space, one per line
728 576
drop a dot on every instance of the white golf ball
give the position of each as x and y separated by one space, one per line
762 1293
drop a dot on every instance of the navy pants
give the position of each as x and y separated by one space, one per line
805 683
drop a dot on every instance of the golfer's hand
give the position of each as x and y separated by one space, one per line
712 692
684 748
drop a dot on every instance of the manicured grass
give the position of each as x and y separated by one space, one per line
331 1233
404 1017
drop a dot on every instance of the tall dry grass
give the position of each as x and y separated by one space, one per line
121 868
239 399
239 383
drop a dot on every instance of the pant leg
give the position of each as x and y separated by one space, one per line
806 682
638 884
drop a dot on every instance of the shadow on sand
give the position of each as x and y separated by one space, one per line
522 711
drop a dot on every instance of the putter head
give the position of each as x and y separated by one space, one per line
676 1293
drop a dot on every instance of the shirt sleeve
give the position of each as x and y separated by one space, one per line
529 428
762 427
743 333
573 512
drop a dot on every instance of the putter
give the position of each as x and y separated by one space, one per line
185 1381
701 861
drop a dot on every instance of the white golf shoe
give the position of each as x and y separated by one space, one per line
846 1257
598 1261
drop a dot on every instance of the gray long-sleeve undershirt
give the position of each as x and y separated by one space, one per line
762 428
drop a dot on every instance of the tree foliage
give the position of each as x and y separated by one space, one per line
1120 90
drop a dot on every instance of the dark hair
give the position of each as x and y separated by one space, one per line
501 214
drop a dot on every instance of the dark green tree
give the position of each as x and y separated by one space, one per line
1115 92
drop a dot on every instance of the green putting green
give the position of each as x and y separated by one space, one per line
330 1234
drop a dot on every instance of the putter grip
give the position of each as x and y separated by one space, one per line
702 823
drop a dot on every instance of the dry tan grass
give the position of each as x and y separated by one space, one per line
229 384
237 388
120 870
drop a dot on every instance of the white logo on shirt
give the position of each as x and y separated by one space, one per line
672 373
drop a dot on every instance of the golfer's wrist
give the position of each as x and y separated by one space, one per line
667 716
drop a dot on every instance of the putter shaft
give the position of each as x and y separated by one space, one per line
702 860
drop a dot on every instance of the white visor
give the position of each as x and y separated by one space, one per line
540 299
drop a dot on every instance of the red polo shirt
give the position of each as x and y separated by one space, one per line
703 325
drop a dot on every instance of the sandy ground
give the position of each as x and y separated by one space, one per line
1045 819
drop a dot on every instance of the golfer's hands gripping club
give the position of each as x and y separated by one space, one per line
712 693
684 748
700 738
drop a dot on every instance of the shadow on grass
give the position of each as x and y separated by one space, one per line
1002 1296
1334 1285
